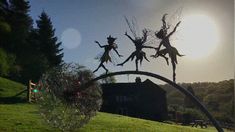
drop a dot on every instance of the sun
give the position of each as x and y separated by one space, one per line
198 36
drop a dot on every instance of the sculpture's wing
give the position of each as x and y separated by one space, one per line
152 40
133 26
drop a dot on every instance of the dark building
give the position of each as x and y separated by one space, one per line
140 99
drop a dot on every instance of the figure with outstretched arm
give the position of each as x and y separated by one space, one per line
138 53
107 48
165 41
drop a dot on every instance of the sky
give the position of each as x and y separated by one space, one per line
205 35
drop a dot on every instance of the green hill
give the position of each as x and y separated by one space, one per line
11 92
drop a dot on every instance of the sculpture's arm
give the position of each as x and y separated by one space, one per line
99 44
129 37
117 53
173 29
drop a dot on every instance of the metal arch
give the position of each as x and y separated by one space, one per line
181 89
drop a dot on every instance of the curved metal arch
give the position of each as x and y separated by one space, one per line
181 89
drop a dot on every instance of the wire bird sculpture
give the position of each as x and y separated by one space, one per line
107 48
139 43
170 50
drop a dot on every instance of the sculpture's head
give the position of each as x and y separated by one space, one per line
111 39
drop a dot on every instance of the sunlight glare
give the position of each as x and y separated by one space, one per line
199 36
71 38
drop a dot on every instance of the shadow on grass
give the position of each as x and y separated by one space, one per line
12 100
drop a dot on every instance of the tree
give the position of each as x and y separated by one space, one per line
15 26
6 62
187 101
21 25
37 63
48 42
4 26
33 50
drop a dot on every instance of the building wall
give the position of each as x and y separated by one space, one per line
142 100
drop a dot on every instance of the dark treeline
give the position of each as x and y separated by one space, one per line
26 52
217 97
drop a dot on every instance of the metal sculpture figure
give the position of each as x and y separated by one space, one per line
138 53
172 51
107 48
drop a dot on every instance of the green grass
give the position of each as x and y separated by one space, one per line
8 89
110 122
24 117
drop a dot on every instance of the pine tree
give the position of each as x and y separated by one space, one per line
4 25
21 25
48 42
36 63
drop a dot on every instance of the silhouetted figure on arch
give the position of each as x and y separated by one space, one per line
138 53
107 48
170 50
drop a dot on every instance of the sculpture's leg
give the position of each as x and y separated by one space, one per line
156 55
174 67
136 64
105 68
175 58
141 57
131 56
145 57
141 60
98 68
165 59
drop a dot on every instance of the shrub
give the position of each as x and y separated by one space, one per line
65 103
190 115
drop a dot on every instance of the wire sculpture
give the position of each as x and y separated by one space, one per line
139 43
107 48
170 50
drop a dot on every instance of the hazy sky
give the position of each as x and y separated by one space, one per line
79 22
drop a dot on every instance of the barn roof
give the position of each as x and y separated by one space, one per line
147 84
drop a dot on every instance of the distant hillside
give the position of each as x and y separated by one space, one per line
216 96
8 90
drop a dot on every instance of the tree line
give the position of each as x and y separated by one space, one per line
218 98
26 52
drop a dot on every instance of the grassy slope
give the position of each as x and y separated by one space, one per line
10 88
25 117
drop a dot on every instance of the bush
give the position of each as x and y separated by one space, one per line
65 103
190 114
